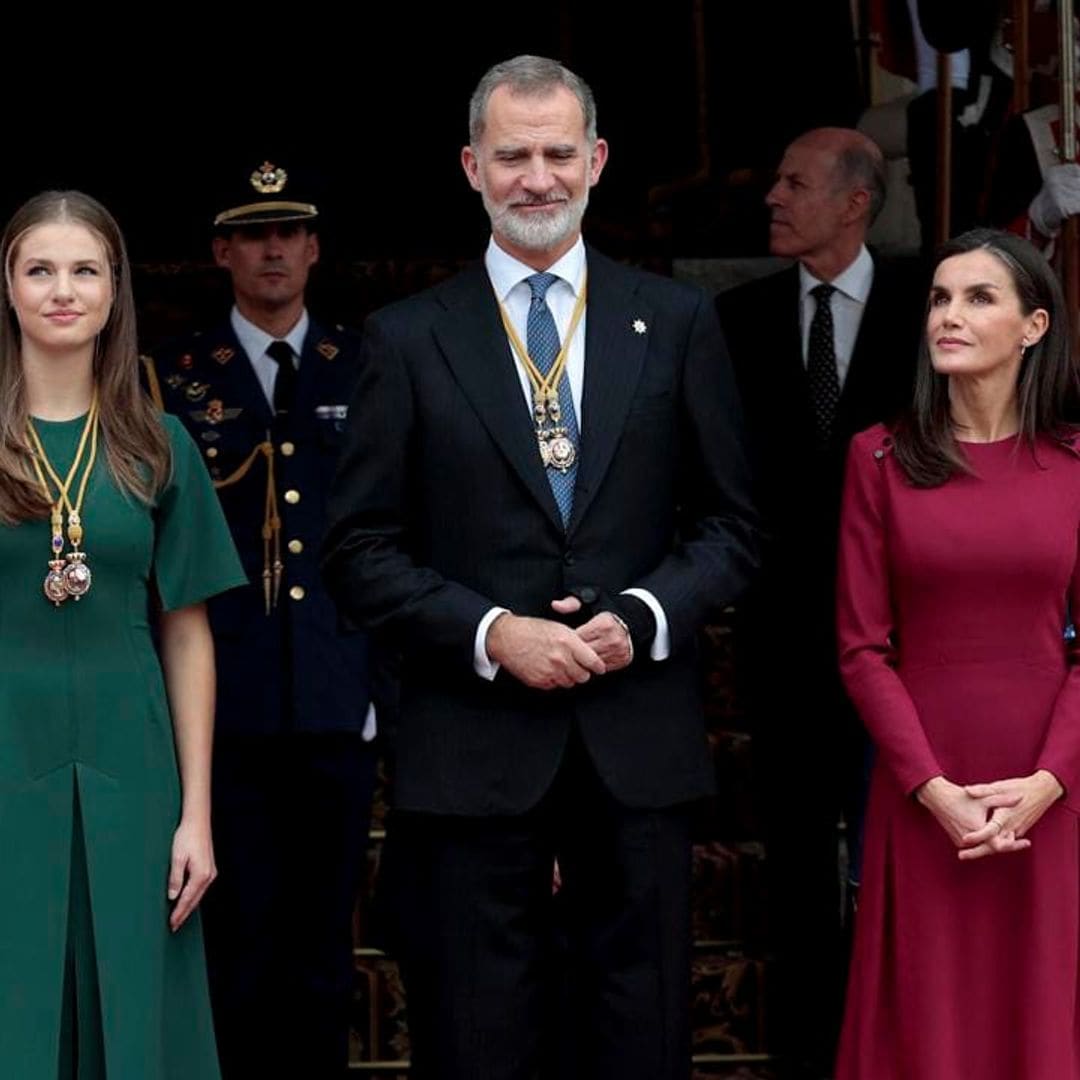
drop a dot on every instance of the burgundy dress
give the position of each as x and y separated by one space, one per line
952 604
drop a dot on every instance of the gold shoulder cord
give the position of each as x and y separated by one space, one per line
271 527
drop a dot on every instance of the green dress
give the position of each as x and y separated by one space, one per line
89 787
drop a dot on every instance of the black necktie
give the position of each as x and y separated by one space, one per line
821 362
285 383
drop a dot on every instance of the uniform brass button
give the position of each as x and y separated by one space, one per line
297 592
211 451
292 496
288 449
296 546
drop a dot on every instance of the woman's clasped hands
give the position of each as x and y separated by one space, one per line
992 818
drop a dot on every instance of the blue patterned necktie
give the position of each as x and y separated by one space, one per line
542 341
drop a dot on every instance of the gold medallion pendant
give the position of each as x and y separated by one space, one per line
562 451
68 576
55 590
557 449
77 576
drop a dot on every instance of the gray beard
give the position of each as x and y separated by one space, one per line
531 232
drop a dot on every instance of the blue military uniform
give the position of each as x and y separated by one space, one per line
293 771
283 623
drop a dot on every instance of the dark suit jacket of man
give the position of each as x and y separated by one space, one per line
442 510
291 670
797 483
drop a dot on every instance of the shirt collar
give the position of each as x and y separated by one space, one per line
255 340
505 271
854 281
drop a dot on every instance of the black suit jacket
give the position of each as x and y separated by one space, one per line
797 482
291 669
442 509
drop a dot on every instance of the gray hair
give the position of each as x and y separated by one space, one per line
532 76
858 166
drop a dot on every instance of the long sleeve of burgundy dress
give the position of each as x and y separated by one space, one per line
951 612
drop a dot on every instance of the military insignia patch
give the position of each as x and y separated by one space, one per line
196 390
210 436
214 413
175 381
331 412
327 349
223 354
185 362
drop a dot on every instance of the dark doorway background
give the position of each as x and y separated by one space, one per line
373 102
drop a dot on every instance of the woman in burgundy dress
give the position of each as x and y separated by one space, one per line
958 573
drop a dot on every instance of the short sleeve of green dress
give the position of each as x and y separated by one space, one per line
194 556
89 787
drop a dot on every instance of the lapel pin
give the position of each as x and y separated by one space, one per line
327 349
223 354
639 326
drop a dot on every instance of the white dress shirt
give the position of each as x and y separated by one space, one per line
509 279
848 303
255 341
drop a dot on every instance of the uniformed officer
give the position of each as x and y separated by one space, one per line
265 396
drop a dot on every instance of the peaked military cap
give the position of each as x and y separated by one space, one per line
266 193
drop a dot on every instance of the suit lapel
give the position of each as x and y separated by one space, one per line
614 355
789 350
237 377
857 384
472 338
312 362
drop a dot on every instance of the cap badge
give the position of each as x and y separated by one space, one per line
269 179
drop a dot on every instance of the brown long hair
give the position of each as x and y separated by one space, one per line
1048 387
134 440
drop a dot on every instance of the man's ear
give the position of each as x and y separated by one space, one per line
597 160
220 247
471 165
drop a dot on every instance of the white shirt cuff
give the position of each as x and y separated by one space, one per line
369 724
661 644
482 663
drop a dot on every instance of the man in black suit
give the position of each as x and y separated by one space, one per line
543 547
264 394
821 350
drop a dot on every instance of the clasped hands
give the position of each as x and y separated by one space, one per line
993 818
546 654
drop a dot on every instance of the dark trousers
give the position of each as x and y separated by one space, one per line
291 816
484 976
809 758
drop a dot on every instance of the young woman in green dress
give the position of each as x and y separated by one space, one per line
109 527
